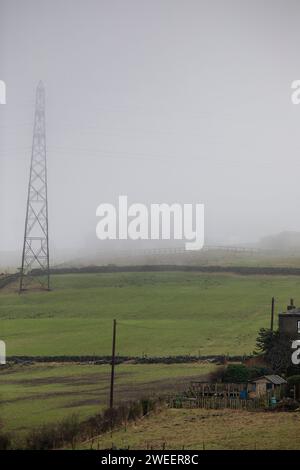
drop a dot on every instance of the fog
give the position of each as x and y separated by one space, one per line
162 101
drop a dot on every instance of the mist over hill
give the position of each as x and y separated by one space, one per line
273 250
284 241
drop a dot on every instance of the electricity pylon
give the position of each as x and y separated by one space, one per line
35 257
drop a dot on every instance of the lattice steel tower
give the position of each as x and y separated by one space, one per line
35 257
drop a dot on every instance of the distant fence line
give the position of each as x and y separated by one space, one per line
182 251
123 359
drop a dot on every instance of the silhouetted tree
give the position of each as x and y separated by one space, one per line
276 348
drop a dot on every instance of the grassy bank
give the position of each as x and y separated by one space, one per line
158 314
209 430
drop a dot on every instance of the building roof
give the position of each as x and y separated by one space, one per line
293 311
274 379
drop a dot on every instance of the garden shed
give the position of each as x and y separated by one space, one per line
267 384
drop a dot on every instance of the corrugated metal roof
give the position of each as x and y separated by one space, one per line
276 379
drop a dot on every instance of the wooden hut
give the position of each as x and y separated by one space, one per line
267 384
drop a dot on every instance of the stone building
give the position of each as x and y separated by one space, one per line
289 321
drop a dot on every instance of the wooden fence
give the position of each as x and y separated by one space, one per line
218 403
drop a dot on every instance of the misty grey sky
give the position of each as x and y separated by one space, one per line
162 100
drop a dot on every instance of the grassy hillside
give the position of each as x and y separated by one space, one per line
35 394
209 429
158 313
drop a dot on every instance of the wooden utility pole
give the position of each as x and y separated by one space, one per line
272 313
113 355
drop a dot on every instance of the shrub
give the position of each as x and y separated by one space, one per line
94 425
148 405
43 438
69 430
135 411
255 372
124 412
287 404
51 436
66 432
276 348
236 373
5 441
112 418
293 380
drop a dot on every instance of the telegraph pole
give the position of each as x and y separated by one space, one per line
113 358
272 313
35 255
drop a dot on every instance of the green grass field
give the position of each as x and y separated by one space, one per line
31 395
158 313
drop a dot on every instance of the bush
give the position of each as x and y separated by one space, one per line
255 372
66 432
236 373
276 349
148 405
114 417
135 411
69 430
43 438
293 380
239 373
5 441
287 404
94 425
51 436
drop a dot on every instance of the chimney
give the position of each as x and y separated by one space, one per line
291 306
